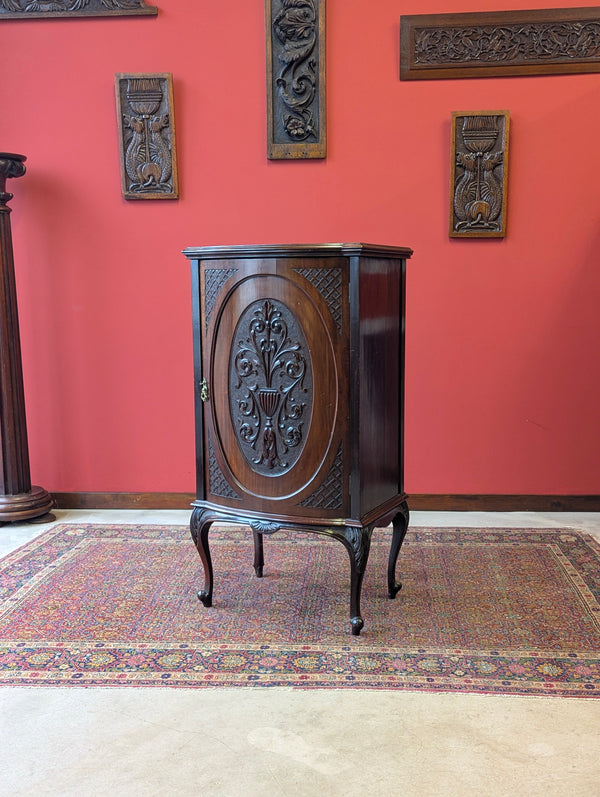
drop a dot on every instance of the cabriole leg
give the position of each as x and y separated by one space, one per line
358 544
259 558
199 529
400 526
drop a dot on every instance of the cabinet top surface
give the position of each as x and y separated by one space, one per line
297 250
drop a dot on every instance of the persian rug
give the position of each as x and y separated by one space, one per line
497 611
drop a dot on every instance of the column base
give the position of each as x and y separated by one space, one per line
25 506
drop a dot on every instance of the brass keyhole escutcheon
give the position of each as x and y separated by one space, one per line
204 390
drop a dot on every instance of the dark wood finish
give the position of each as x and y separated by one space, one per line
479 174
44 9
18 499
295 47
418 502
148 154
500 43
285 438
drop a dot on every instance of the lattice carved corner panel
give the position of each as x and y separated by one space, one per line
147 136
47 9
500 43
214 280
218 483
330 494
328 281
295 47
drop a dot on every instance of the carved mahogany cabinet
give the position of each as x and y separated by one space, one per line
299 385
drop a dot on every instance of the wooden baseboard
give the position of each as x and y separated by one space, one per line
123 500
505 503
432 503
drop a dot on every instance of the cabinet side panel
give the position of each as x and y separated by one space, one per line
380 381
197 341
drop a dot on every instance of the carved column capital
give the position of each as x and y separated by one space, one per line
11 165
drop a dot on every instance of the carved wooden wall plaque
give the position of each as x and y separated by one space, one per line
296 118
500 43
147 136
41 9
478 174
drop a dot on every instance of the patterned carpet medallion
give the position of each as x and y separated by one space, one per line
490 611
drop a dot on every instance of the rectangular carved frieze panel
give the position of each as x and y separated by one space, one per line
296 118
478 174
40 9
147 136
500 43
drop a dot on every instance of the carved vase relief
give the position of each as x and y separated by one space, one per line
71 8
148 165
478 174
270 387
295 53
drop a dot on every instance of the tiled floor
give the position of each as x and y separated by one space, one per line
242 743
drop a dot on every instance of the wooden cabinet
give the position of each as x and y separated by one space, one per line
299 386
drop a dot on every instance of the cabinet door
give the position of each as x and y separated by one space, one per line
276 358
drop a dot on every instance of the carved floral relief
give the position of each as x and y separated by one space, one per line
38 9
147 136
270 387
534 42
508 43
296 78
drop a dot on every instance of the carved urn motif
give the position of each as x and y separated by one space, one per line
270 386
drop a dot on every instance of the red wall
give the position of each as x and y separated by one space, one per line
502 376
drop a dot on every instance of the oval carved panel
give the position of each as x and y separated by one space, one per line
270 387
275 382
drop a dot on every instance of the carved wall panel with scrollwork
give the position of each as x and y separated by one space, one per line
478 174
295 38
147 136
500 43
42 9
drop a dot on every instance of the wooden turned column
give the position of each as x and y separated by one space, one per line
18 499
